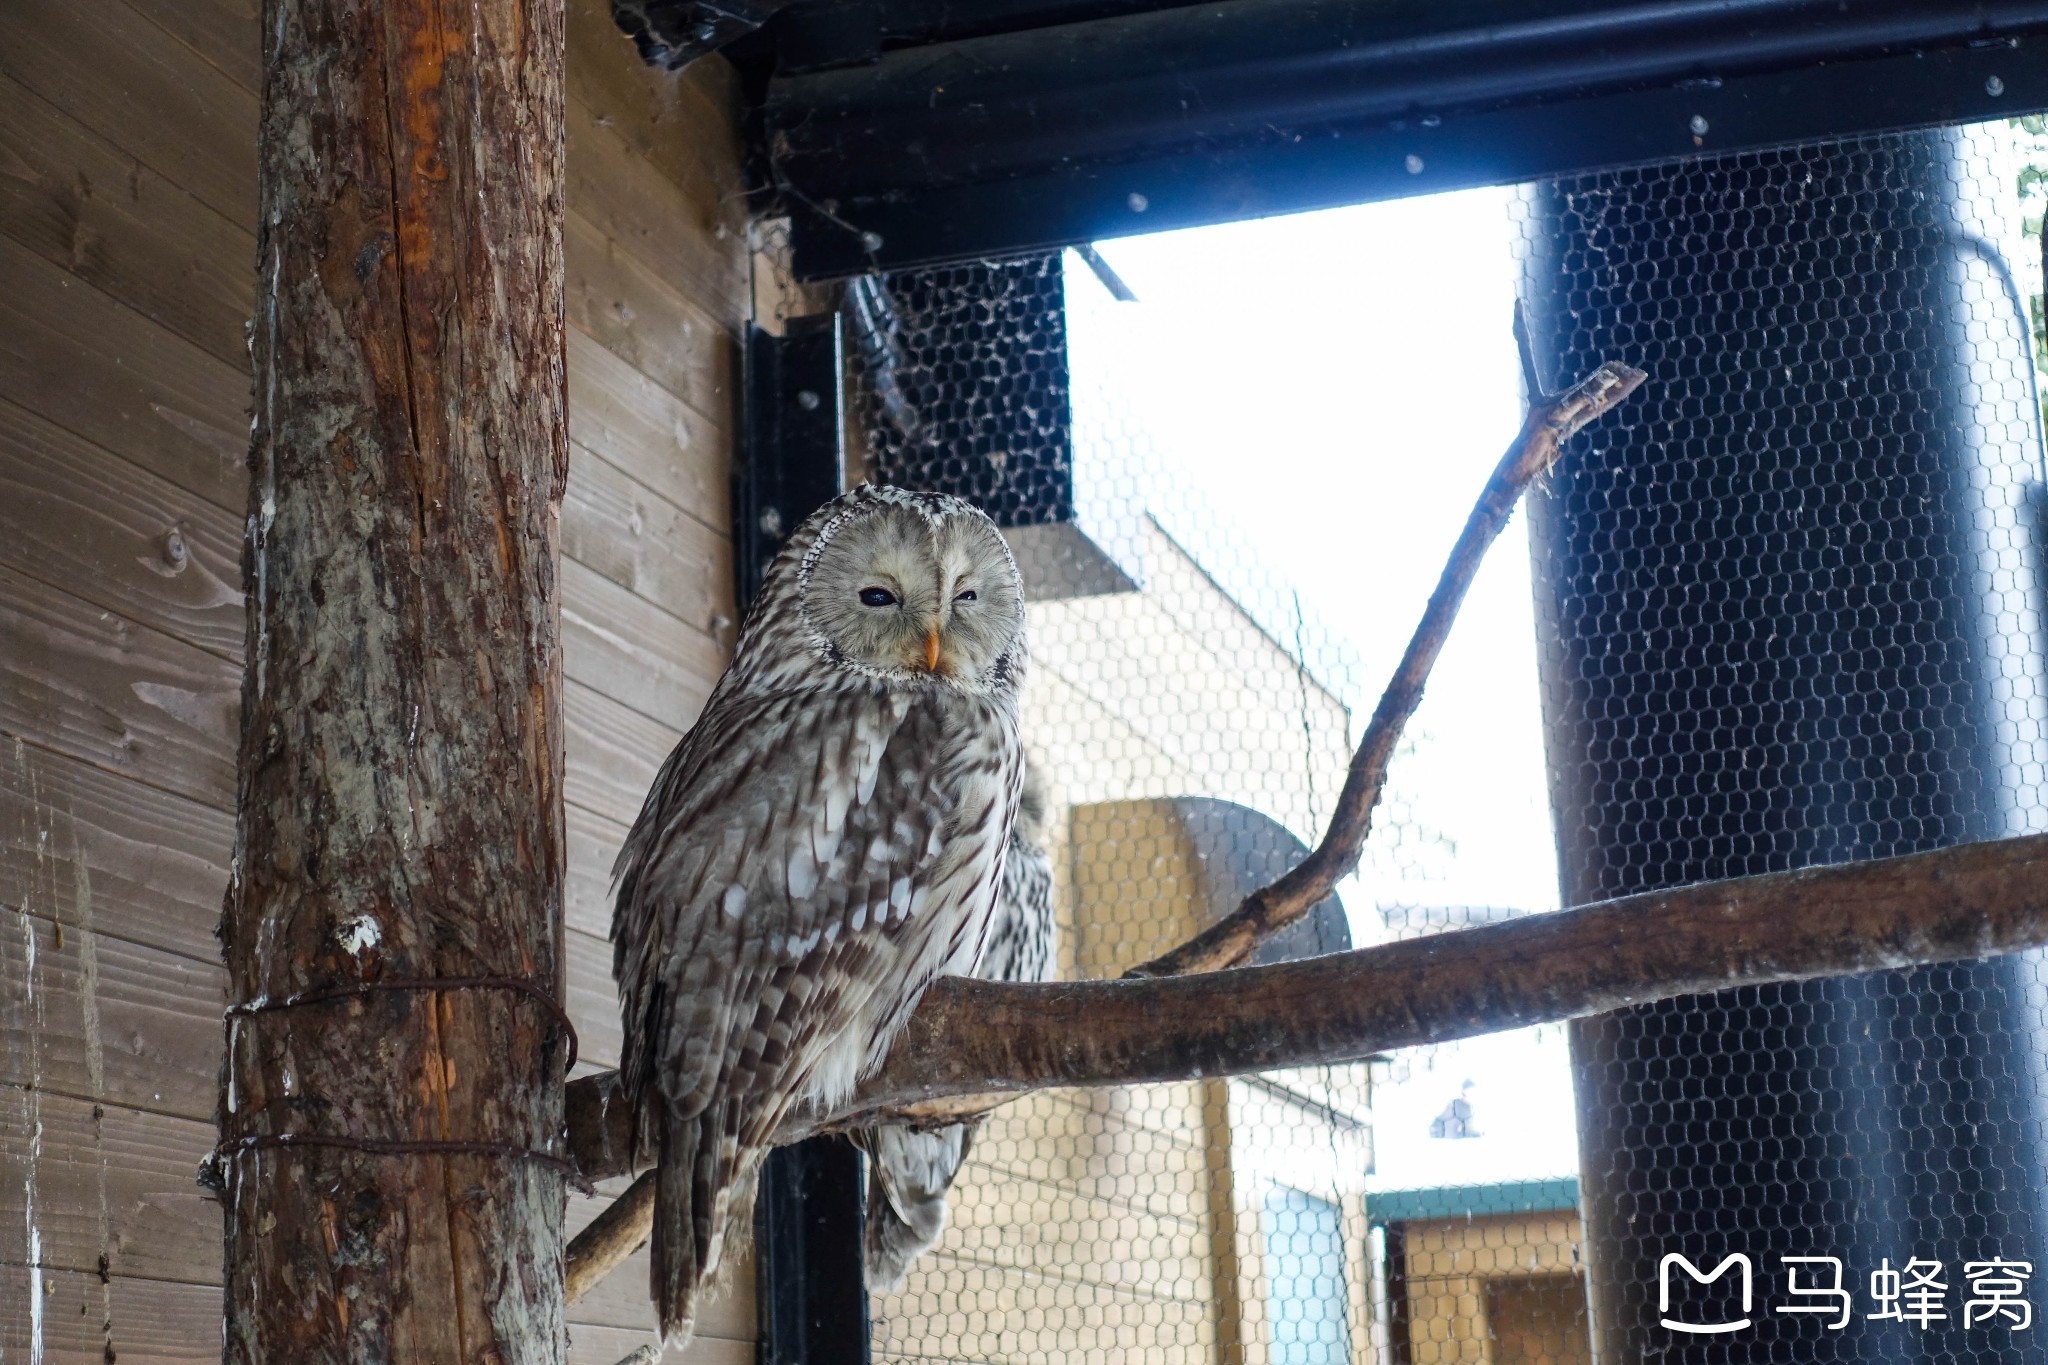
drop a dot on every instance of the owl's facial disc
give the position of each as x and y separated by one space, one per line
915 596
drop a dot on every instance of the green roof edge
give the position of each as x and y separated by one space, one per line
1472 1201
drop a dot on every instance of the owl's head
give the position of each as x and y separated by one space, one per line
912 587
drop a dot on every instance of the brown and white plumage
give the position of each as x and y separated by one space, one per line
827 839
910 1169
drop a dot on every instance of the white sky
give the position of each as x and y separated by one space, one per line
1339 385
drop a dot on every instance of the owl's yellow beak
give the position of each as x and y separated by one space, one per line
931 650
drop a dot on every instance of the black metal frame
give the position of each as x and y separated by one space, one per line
1400 1345
896 135
810 1291
791 454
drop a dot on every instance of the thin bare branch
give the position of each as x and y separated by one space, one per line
1233 939
612 1236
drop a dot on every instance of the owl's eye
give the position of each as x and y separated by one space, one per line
967 596
877 597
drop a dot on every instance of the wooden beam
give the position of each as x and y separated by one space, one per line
400 780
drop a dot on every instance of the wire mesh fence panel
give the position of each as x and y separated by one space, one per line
1787 611
1792 615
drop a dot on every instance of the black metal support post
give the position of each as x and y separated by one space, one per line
812 1297
1791 613
810 1289
792 453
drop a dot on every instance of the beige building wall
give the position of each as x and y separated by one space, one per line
1175 691
1503 1289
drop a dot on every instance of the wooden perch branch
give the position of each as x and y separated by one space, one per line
601 1120
612 1236
986 1040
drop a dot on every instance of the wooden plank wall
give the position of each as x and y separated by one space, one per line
127 203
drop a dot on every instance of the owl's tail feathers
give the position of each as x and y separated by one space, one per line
679 1270
910 1173
699 1167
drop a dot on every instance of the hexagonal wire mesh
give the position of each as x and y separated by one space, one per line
1792 615
1789 612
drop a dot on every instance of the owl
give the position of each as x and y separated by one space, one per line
827 840
909 1171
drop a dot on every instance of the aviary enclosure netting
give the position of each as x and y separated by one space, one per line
1789 612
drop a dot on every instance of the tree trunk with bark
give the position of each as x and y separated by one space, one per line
390 1139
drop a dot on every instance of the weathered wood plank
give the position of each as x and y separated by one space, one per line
227 33
634 652
132 700
153 1196
95 367
617 525
640 318
620 1299
91 849
118 536
171 397
594 843
139 703
98 1180
84 205
148 1176
686 125
87 1320
172 1321
593 1001
691 236
94 1017
620 751
591 1345
112 70
636 425
178 1314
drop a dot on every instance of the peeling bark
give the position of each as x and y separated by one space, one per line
401 757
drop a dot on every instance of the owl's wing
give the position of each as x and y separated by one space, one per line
785 830
1022 938
913 1170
